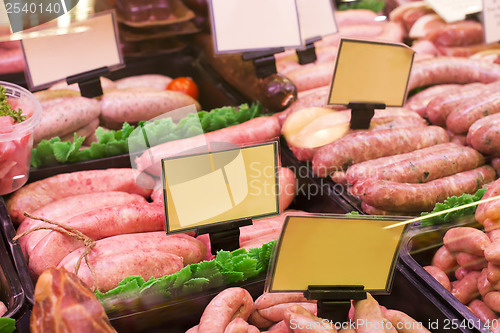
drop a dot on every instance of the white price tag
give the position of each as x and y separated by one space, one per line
491 20
243 25
317 18
455 10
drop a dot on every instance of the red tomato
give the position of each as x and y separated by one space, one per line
184 85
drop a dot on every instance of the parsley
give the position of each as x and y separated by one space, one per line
7 110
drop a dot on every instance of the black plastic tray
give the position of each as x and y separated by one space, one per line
8 233
408 295
11 289
420 245
318 195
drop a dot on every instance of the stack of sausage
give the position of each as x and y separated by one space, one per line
474 258
436 37
354 23
111 209
233 310
131 100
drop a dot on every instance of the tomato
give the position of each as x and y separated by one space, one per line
184 85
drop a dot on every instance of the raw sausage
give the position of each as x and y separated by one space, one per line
461 272
439 275
444 259
484 135
492 253
369 316
155 81
96 224
461 33
406 197
257 130
470 261
483 285
492 300
404 323
368 145
466 239
482 311
419 101
465 290
38 194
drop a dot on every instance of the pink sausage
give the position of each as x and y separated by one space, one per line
470 261
227 305
461 272
257 130
483 285
492 300
276 312
466 239
439 275
482 311
493 273
466 289
287 187
444 259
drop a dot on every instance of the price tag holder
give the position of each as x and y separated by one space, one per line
491 20
216 192
89 50
245 26
455 10
335 258
370 75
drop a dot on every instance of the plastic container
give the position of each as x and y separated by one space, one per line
8 232
408 295
419 247
11 290
15 146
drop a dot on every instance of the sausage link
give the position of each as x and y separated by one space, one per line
466 289
368 145
439 275
470 261
466 239
461 272
405 323
484 135
406 197
492 300
367 312
419 101
471 110
483 285
482 311
444 259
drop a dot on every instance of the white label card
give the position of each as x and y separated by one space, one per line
491 20
91 44
455 10
317 18
249 25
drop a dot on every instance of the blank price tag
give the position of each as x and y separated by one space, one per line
243 25
491 20
317 18
455 10
221 186
335 251
91 44
371 72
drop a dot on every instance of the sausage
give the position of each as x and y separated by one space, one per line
471 110
311 77
136 104
66 117
466 51
96 224
444 259
229 304
419 101
188 248
256 130
466 239
392 32
461 33
287 187
492 253
484 135
11 61
439 275
368 316
461 272
368 145
495 163
441 106
106 84
38 194
369 169
492 300
404 323
154 81
351 17
493 273
483 212
466 290
483 285
303 154
339 177
66 208
113 268
470 261
238 325
279 328
269 299
85 131
424 165
299 320
442 70
257 320
3 309
48 95
276 312
494 235
406 197
482 311
370 210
